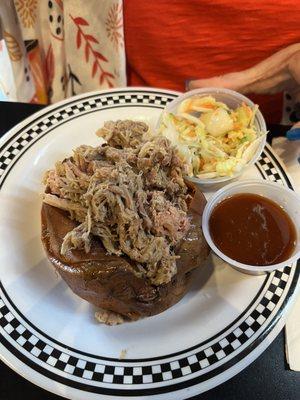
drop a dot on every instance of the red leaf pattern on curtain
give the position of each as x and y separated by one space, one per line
86 52
94 70
78 39
79 21
104 76
100 56
91 38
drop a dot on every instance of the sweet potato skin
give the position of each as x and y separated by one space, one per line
108 281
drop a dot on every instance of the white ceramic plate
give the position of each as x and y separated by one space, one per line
49 335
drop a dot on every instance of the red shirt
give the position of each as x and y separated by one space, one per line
168 42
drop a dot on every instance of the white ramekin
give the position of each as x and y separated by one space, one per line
284 197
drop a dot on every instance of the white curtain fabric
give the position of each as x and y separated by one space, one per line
50 50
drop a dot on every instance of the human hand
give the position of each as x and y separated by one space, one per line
279 72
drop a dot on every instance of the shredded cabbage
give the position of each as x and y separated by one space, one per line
212 139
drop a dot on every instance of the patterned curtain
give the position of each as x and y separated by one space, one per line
50 50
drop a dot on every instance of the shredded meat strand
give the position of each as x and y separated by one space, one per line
129 192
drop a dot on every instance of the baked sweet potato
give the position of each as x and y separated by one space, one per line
108 281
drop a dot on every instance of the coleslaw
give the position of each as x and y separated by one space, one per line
212 139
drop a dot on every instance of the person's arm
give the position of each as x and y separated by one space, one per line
277 73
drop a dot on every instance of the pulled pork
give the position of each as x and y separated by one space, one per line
130 193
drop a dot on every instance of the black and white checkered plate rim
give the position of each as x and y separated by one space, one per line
133 377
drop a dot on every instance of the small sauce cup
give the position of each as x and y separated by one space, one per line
284 197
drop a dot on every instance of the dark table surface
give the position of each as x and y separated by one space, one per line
266 378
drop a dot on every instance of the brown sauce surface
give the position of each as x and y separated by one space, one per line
252 229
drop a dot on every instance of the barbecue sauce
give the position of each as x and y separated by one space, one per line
253 230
